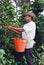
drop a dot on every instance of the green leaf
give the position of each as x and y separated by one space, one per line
43 46
2 52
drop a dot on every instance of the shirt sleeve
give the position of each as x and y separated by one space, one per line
27 28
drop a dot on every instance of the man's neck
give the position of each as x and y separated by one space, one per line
29 21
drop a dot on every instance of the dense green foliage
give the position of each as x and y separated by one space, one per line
7 17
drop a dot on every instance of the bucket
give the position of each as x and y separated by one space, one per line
19 44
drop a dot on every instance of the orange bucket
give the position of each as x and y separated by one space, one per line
19 44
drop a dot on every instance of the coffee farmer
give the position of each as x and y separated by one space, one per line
28 33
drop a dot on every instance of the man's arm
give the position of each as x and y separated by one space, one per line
16 30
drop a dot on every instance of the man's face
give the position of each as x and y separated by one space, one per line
28 18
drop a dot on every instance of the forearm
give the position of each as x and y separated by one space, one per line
17 29
18 32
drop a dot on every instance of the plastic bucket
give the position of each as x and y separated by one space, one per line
19 44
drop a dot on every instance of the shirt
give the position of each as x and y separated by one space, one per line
29 34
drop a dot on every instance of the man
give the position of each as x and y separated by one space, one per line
28 33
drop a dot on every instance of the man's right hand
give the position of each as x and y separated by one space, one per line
10 27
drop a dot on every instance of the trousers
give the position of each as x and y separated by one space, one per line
28 55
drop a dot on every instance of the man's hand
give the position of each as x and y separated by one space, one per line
10 27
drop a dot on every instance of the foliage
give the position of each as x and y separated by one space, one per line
8 16
5 60
38 6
